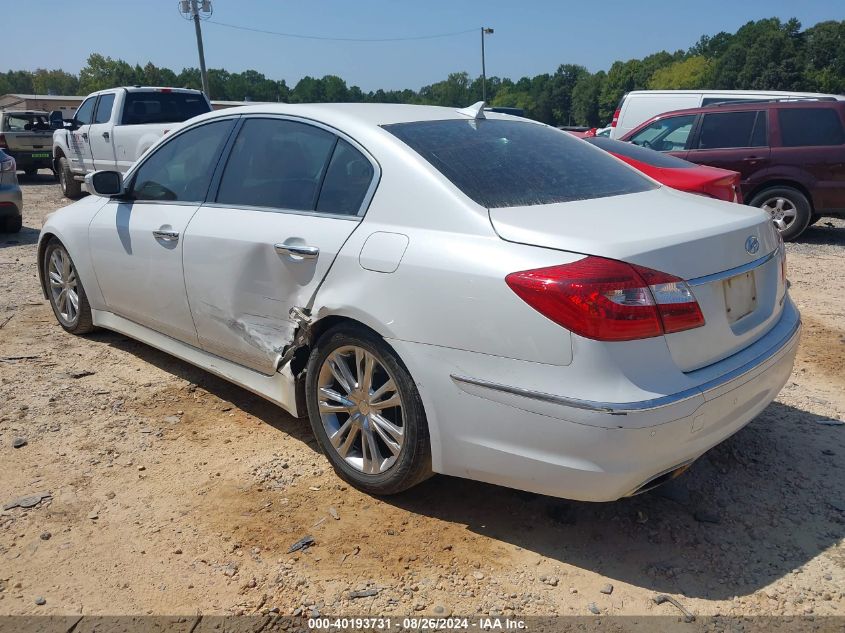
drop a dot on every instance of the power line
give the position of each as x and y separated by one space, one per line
342 39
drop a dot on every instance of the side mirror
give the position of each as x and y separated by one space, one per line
105 183
56 120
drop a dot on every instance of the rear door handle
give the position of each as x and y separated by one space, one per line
85 136
106 135
297 251
166 236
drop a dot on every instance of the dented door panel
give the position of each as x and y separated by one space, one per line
241 287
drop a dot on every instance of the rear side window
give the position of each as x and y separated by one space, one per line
347 181
501 163
724 130
276 163
104 106
810 127
666 135
180 169
640 154
162 107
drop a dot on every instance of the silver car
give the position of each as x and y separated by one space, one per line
11 200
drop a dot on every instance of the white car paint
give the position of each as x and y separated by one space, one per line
510 396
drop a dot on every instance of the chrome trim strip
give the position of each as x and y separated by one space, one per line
731 272
623 408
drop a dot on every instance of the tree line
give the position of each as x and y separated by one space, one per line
766 54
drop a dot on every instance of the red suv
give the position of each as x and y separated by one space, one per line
791 154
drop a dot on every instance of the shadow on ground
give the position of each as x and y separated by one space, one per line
823 233
758 506
26 235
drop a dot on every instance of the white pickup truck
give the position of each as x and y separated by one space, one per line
112 128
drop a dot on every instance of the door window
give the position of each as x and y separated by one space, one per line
85 114
104 108
276 163
810 127
723 130
181 169
666 135
347 181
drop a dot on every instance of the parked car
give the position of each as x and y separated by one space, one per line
11 200
674 172
112 128
639 106
26 136
446 291
791 154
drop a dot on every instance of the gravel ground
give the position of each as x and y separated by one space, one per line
162 489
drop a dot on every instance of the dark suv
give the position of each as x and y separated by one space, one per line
791 154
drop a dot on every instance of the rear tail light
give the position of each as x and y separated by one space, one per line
615 119
609 300
3 144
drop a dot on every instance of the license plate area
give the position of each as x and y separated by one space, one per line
740 296
41 154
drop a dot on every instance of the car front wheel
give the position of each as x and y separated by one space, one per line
789 209
366 412
65 291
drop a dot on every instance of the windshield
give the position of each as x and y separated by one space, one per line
639 154
501 163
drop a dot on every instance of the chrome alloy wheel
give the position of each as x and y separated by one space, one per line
64 287
782 211
361 409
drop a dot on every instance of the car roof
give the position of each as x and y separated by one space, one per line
734 106
367 113
144 89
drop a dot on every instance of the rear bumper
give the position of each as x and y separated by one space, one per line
11 202
39 159
550 446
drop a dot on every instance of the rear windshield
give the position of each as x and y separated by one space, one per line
162 107
640 154
502 163
25 122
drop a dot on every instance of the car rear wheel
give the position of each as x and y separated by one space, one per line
64 288
366 412
789 209
12 225
70 188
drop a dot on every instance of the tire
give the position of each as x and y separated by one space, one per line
789 208
70 188
13 225
388 471
75 321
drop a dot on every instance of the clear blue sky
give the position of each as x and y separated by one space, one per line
531 36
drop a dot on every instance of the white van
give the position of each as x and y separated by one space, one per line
639 106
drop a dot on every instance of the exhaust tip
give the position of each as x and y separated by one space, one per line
661 478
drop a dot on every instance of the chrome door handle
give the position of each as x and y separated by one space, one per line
166 236
298 251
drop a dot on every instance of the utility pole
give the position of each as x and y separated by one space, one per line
484 31
196 15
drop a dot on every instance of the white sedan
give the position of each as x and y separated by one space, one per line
440 291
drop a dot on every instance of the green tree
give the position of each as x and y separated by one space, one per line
585 99
690 73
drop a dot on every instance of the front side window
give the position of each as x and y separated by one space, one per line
501 163
666 135
724 130
85 114
181 169
104 107
810 127
276 163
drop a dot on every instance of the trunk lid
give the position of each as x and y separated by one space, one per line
700 240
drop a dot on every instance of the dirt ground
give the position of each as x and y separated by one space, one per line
172 492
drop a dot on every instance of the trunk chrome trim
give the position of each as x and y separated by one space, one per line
623 408
731 272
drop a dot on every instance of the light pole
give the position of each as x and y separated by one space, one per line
484 31
193 10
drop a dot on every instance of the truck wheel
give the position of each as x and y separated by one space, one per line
70 188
